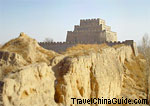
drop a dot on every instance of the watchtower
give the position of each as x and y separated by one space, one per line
91 30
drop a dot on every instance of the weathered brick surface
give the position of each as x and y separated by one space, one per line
91 30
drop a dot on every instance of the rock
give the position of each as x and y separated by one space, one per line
20 52
29 49
10 62
110 73
32 85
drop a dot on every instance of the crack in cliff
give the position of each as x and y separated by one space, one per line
93 84
1 91
59 82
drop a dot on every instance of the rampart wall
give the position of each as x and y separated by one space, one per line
62 46
57 46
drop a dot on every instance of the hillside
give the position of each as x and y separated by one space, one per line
33 76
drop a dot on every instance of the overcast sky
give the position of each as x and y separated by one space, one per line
53 18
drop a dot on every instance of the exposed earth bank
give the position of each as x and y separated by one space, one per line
33 76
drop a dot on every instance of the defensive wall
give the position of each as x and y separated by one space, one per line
89 31
62 46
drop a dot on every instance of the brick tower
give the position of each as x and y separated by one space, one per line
91 30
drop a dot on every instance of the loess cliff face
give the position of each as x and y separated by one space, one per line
32 85
110 73
22 51
29 49
33 76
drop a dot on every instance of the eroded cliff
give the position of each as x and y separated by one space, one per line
110 72
39 77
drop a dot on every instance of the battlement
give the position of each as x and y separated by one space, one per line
62 46
86 22
111 43
92 20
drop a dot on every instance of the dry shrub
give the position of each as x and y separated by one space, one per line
135 67
137 72
50 54
87 47
118 45
83 49
0 46
144 49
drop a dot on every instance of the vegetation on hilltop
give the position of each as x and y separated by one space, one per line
0 45
95 47
84 49
48 40
144 49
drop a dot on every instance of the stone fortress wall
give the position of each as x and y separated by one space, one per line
90 31
62 46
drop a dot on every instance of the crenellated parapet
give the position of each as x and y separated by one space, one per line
62 46
111 43
96 22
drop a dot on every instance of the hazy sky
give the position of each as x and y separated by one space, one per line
53 18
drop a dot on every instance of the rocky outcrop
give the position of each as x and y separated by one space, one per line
10 62
38 77
32 85
29 49
111 73
22 51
